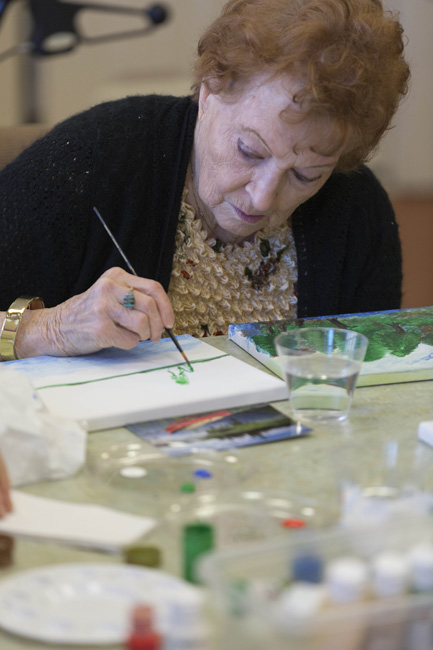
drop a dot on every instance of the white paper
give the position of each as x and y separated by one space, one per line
72 523
35 444
425 432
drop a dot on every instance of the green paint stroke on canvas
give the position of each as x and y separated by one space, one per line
179 375
136 372
397 333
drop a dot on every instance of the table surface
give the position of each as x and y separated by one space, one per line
302 467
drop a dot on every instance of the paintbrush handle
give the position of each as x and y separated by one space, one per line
176 342
114 240
174 339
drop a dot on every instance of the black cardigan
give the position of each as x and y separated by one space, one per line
129 159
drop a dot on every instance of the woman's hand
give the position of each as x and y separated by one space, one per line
97 318
5 499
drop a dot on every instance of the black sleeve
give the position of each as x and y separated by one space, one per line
372 272
129 159
348 248
44 203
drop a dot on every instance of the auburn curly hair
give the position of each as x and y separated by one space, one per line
346 54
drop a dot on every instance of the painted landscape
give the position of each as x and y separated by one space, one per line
400 342
219 430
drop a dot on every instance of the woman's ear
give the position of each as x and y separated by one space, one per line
203 99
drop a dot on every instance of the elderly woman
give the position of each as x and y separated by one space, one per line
247 201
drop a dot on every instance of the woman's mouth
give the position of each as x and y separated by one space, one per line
248 218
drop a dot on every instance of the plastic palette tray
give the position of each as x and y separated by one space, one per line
245 582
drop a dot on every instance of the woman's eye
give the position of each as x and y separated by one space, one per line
304 179
247 153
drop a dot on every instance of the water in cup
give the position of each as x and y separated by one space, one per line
321 366
320 387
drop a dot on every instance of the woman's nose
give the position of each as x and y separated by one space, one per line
264 191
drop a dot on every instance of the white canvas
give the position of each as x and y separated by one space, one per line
115 387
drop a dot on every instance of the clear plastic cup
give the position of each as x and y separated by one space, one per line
321 366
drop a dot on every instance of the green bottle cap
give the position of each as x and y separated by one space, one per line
143 555
187 487
198 538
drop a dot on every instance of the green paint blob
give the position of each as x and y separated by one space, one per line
187 488
179 375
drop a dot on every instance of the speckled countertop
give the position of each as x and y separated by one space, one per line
302 469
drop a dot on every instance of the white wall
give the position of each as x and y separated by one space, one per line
10 73
161 62
405 159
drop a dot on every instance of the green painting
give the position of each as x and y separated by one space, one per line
400 342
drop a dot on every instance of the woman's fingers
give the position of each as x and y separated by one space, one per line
155 291
149 316
150 297
150 310
98 318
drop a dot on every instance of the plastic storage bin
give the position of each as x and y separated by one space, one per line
251 587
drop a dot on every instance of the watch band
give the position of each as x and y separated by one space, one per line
12 322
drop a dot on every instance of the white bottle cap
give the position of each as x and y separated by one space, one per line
420 558
298 605
185 626
346 579
186 611
390 574
302 600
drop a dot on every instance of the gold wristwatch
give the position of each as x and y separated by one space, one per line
12 322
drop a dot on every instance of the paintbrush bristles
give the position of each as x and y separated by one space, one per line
176 342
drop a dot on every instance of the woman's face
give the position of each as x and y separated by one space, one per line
253 167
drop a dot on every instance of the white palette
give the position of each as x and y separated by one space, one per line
82 604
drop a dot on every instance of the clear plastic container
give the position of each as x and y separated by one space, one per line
146 481
250 593
244 516
238 517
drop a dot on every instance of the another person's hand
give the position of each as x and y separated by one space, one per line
98 319
5 498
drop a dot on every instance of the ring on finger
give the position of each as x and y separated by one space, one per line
129 299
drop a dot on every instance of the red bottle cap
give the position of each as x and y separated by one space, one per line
293 523
143 636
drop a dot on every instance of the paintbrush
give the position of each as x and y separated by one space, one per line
169 332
